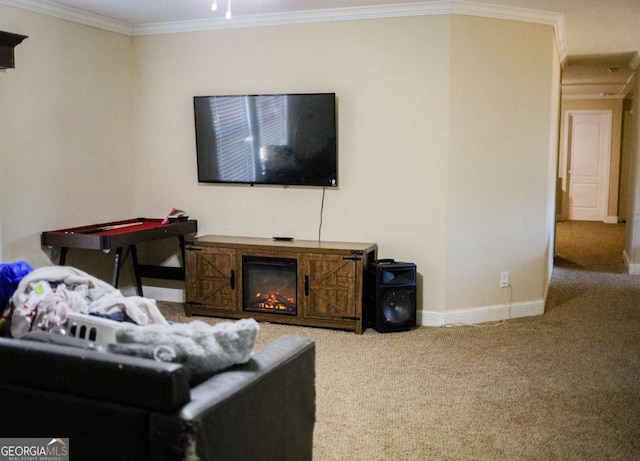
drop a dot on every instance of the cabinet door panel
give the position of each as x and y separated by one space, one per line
331 282
211 280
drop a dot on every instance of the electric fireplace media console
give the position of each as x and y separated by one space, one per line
301 282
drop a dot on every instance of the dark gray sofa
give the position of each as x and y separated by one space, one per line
116 407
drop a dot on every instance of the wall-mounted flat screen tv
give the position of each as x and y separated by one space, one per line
283 139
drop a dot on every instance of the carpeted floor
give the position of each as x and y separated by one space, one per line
561 386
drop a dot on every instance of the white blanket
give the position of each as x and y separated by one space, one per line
77 291
202 348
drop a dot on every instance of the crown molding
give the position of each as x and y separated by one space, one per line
426 8
556 20
299 17
594 96
72 14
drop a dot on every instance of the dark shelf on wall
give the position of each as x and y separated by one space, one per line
8 42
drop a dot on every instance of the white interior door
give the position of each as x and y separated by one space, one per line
589 163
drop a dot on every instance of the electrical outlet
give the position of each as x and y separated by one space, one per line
504 279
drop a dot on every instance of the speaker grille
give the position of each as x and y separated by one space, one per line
397 306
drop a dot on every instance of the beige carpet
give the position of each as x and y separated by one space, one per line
561 386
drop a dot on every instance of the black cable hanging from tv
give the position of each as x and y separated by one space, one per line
321 211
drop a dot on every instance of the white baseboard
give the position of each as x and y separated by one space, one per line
611 220
633 269
425 318
481 314
173 295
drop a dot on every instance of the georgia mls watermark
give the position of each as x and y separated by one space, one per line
34 449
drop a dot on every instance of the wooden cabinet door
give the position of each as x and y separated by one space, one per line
329 286
211 277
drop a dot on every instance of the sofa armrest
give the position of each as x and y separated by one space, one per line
130 381
264 409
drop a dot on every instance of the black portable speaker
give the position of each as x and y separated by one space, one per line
390 296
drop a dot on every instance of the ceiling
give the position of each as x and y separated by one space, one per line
599 76
602 38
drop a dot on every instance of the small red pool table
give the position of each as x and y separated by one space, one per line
120 235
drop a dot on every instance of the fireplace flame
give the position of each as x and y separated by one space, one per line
274 301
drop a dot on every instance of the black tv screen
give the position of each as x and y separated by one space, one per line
284 139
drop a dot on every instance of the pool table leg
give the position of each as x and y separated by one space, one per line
182 255
136 268
63 256
117 263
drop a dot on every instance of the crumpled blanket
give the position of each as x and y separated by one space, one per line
203 349
43 297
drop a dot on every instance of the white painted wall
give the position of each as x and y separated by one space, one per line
444 135
632 248
65 131
552 172
501 79
391 80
